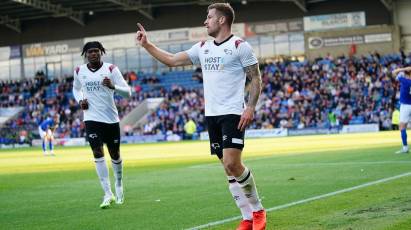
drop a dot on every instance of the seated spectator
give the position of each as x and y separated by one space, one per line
325 93
198 75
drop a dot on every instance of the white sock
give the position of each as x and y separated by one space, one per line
240 199
405 148
246 182
102 172
118 171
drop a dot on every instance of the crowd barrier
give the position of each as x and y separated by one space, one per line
251 133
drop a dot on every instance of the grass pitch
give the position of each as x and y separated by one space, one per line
180 186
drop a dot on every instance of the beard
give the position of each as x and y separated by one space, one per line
212 33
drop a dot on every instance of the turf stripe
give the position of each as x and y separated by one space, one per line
306 200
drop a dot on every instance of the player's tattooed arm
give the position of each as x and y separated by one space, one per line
254 86
254 89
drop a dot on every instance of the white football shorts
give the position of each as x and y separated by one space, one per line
405 113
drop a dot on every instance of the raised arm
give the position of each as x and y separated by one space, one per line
169 59
396 71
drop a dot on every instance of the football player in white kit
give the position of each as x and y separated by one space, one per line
403 76
93 88
226 62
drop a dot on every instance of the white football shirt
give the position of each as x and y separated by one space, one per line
223 73
88 85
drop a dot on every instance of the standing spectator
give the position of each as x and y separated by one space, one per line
190 129
395 119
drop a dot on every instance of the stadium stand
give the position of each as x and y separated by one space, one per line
328 92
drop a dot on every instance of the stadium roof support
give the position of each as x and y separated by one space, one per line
13 24
302 5
145 10
55 9
387 4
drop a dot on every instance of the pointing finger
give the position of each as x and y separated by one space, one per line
141 28
139 35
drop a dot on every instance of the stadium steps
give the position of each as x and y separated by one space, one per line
8 113
138 115
170 79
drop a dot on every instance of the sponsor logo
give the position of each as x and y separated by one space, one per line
116 141
316 42
92 86
228 52
206 51
92 135
237 141
357 19
224 137
213 64
236 197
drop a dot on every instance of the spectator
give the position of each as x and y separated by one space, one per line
325 93
190 129
198 75
395 119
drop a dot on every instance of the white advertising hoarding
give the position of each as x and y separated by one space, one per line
364 128
52 48
334 21
320 42
4 53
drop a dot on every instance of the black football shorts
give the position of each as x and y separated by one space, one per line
98 133
223 133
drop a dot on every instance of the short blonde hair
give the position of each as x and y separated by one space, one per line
225 9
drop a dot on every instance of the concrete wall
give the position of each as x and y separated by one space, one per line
402 18
364 48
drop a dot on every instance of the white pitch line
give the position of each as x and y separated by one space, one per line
306 200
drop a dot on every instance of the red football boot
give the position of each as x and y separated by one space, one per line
245 225
259 220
